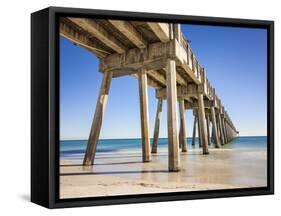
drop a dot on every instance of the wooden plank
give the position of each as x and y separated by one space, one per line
74 36
182 141
173 149
97 121
153 57
180 80
150 82
144 117
157 126
157 76
122 72
130 32
153 82
100 33
161 30
215 128
202 123
182 91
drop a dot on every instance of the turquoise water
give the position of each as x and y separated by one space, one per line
76 148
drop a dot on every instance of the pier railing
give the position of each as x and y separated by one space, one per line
196 68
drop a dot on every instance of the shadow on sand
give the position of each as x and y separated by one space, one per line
102 164
114 172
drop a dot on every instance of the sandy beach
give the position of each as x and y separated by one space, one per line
123 173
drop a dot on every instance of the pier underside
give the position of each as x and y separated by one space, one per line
158 55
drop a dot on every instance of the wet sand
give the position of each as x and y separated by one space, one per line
123 173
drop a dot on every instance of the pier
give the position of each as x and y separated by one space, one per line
158 55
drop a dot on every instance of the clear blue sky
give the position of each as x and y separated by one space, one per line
235 60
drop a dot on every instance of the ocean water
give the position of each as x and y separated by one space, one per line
76 148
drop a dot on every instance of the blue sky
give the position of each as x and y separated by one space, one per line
235 61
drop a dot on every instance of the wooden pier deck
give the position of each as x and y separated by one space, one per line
158 55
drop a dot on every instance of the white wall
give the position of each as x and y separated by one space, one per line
15 106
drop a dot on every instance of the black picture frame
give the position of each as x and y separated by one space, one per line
45 107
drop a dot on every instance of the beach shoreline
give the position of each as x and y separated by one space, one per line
124 173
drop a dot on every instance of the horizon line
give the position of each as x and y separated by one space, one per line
78 139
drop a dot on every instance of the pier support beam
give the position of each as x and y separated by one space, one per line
194 130
157 125
97 121
221 129
199 133
142 75
208 128
202 123
229 132
182 125
212 134
180 138
215 128
225 131
173 149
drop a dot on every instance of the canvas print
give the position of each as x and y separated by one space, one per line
150 107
